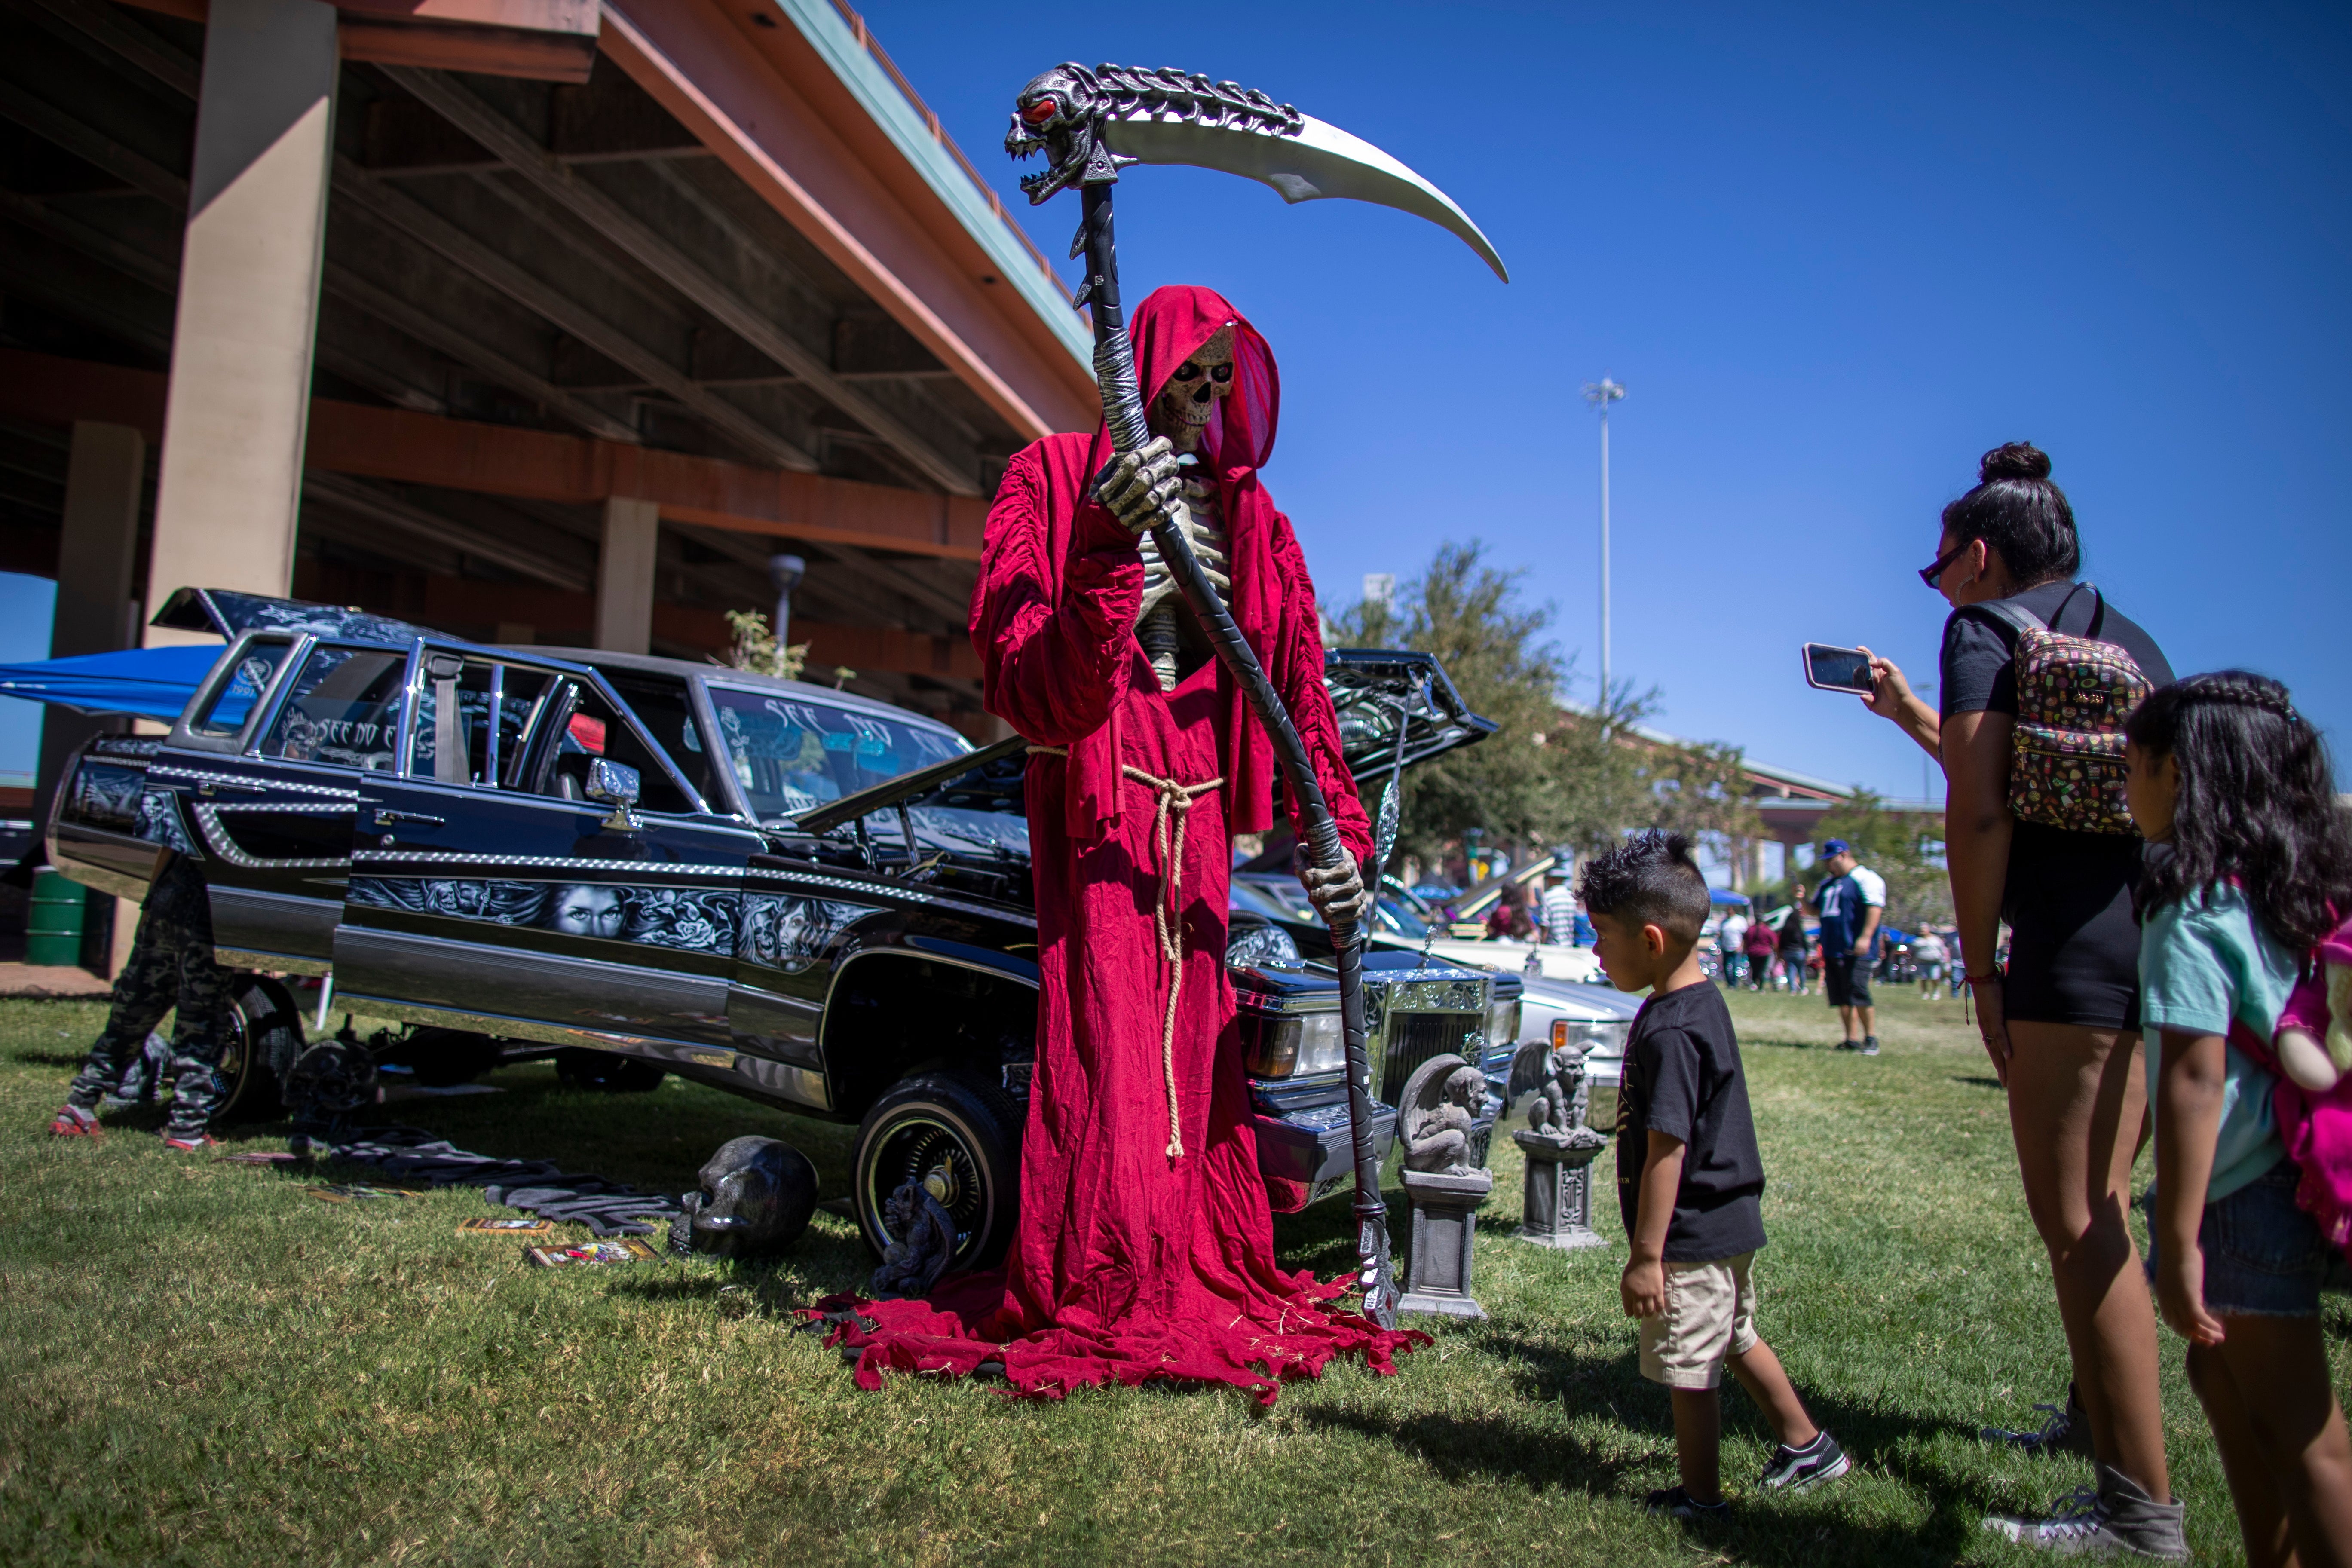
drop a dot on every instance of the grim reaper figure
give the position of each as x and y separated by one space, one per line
1145 1247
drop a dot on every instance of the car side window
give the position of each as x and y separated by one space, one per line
474 718
224 716
343 710
593 728
664 706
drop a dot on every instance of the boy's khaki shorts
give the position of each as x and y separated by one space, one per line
1710 1313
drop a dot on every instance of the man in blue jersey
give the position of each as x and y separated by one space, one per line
1850 902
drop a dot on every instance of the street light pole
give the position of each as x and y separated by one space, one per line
1600 394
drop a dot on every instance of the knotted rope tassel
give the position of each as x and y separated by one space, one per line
1167 910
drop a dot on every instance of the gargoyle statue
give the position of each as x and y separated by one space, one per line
1554 1108
924 1240
1438 1130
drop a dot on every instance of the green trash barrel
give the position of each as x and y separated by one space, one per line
54 933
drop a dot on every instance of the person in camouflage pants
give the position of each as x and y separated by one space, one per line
170 966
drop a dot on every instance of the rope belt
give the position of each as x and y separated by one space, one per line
1167 908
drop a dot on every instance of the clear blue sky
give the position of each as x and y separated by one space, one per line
1835 254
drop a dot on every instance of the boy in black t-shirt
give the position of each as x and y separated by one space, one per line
1689 1178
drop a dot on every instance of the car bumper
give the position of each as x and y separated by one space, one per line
1308 1156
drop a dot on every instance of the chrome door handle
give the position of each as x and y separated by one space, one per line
382 815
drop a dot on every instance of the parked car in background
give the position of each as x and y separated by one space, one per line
645 866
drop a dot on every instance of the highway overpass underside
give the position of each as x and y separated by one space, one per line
583 333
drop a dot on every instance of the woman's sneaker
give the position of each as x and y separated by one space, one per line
73 1122
1794 1469
2116 1519
192 1141
1677 1503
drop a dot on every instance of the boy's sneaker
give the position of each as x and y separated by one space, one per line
2068 1431
1794 1469
1870 1045
1677 1503
73 1122
191 1141
2118 1518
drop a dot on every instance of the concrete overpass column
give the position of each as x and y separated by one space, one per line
624 575
228 487
97 559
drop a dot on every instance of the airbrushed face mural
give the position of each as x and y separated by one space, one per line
781 931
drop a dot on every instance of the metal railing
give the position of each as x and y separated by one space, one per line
881 57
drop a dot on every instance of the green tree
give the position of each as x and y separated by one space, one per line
1544 777
1906 850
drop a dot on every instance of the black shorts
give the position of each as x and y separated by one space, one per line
2073 952
1848 977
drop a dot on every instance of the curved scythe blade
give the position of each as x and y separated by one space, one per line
1090 123
1319 161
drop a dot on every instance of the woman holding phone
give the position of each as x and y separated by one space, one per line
2060 1021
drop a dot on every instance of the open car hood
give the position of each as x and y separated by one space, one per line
1375 689
225 612
1372 689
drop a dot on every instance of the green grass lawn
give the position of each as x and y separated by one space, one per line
206 1364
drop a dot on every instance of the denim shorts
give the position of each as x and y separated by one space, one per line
2264 1257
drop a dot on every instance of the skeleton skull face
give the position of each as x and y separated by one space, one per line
1189 402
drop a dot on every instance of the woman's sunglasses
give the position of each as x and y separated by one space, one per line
1933 576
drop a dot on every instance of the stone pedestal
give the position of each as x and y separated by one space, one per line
1445 1207
1558 1205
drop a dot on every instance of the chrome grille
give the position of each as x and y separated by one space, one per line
1411 1038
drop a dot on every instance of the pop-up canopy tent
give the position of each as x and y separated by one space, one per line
152 683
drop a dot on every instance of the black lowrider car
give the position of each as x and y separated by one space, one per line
651 866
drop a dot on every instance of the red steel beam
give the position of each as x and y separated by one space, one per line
549 40
539 465
763 100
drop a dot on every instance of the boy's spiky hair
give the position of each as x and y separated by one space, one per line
1649 880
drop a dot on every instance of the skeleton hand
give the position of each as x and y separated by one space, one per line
1140 487
1336 895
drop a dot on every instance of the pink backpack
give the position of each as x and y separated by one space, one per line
2315 1128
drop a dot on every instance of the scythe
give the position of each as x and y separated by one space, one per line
1090 124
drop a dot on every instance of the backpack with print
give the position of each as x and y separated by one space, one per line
2315 1124
2073 693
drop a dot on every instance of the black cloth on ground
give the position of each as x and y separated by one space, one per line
2073 946
535 1186
1683 1077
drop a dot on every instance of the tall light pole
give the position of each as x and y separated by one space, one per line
1600 394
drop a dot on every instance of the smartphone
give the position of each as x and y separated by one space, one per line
1831 668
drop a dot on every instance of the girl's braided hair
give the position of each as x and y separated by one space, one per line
2257 803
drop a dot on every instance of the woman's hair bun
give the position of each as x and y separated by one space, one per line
2014 460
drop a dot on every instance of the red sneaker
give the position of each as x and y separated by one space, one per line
73 1122
192 1141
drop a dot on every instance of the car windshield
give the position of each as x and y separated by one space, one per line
792 753
1397 917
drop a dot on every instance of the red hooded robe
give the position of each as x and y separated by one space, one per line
1129 1261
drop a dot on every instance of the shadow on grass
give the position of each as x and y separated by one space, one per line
1981 1082
48 1058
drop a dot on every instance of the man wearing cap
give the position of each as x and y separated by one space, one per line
1851 902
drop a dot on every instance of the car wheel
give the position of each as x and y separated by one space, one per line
962 1139
264 1035
440 1058
606 1071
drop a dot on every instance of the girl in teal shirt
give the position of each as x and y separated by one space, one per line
2238 788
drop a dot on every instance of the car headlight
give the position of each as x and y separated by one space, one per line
1298 1045
1602 1039
1503 1024
1261 947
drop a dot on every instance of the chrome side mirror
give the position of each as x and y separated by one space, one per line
618 786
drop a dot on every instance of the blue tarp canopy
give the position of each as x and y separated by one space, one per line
152 682
1726 896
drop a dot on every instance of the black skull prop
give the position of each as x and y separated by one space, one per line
756 1197
923 1240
